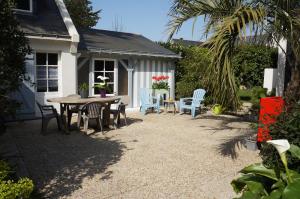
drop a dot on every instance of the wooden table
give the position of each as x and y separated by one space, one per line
66 102
168 103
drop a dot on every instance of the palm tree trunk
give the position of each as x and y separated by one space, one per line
292 93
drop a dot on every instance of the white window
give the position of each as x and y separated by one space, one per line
46 72
24 5
104 68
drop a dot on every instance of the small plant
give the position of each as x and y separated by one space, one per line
84 87
257 181
160 82
103 85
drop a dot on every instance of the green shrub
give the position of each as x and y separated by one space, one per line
245 95
286 127
21 189
4 170
195 63
258 92
9 189
249 64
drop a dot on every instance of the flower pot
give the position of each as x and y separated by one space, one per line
84 93
102 93
251 144
162 92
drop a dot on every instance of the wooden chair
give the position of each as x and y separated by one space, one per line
48 112
90 111
73 109
120 110
192 103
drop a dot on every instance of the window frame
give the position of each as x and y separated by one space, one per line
47 72
92 81
28 11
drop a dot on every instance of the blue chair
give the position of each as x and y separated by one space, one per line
148 101
192 103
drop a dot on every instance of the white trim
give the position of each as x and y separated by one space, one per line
92 73
47 38
134 53
75 38
26 11
116 78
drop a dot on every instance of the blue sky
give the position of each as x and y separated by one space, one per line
146 17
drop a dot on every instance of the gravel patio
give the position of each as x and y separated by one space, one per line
156 156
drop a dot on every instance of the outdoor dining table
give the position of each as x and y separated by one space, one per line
66 102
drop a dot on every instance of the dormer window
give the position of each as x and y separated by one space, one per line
24 5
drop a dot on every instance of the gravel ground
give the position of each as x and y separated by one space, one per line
156 156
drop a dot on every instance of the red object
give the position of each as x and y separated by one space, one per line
270 109
160 78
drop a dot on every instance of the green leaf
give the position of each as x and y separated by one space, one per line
292 191
255 187
261 170
294 175
295 151
278 185
240 183
249 195
276 194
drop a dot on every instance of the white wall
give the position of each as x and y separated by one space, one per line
145 69
66 72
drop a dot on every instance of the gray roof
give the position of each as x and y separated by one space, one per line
44 21
95 40
186 43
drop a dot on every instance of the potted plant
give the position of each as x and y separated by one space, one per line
160 85
103 87
84 90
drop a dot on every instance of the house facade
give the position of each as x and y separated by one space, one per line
64 57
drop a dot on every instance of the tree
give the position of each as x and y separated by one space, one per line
13 49
229 20
82 13
249 63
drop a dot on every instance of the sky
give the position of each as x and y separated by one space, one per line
146 17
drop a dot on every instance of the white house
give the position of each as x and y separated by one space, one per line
64 57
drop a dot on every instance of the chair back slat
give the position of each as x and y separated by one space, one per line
198 96
93 109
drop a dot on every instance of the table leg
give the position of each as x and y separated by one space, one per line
64 117
106 115
174 108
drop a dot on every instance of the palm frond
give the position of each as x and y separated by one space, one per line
222 46
212 10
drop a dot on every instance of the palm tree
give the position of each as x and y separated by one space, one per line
230 20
